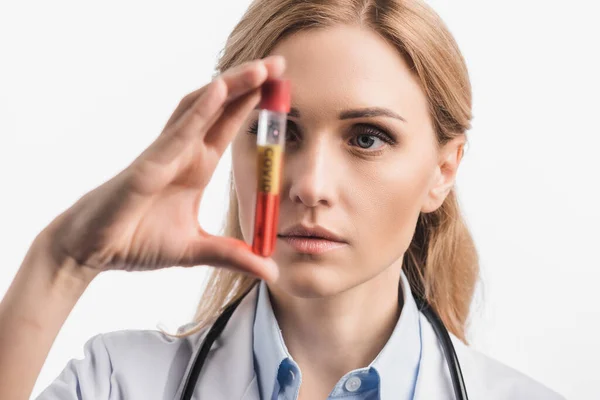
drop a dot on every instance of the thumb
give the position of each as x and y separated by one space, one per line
231 253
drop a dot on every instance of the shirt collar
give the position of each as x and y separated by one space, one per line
397 364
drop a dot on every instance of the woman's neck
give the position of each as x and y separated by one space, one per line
328 337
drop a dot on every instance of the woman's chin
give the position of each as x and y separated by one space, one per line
309 279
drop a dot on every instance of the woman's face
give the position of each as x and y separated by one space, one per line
363 176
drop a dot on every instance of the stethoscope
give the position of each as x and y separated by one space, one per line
460 392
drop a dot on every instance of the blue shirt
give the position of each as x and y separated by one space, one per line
392 375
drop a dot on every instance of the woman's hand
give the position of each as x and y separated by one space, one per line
146 217
143 218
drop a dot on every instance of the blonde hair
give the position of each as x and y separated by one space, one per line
441 262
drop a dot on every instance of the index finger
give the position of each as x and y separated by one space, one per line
239 80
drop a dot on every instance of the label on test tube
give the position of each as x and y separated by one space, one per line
269 167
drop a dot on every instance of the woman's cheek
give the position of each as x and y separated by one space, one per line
397 191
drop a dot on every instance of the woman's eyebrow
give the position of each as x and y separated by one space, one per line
370 112
294 112
358 113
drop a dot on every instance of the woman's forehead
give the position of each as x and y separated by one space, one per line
349 67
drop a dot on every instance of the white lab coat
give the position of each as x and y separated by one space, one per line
147 365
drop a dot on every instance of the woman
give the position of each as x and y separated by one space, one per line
369 221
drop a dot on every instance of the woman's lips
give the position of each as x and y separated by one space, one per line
311 245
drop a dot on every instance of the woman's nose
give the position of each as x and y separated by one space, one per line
309 175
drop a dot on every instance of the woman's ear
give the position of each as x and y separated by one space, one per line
444 178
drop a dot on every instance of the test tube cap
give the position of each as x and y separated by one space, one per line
276 95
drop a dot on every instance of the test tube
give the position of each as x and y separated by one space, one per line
270 142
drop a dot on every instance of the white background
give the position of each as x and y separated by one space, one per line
84 88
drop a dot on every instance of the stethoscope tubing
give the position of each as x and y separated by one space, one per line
458 383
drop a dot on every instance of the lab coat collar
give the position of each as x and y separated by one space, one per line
228 372
229 369
269 347
434 381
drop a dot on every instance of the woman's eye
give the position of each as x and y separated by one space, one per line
253 128
366 141
372 138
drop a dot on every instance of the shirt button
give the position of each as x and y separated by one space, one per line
353 384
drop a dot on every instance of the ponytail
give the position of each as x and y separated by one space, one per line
442 266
